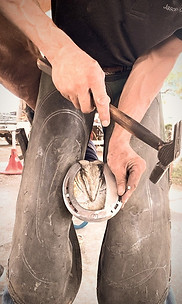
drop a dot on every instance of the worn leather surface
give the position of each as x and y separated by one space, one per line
45 262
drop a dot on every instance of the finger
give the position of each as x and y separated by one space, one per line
121 181
102 101
74 99
86 102
132 182
128 192
121 186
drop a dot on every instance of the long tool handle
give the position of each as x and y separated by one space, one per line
135 128
121 118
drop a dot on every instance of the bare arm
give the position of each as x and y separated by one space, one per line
31 20
143 84
147 77
63 55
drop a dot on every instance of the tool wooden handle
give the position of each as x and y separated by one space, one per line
135 128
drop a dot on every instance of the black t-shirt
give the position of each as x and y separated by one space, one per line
117 32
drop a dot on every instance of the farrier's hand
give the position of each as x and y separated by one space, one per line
126 165
75 74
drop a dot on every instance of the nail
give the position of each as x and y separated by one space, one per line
105 123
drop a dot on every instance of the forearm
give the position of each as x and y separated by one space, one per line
146 80
143 84
35 24
63 55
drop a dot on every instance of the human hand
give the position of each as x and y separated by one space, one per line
127 166
80 79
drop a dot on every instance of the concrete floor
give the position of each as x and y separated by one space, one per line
90 237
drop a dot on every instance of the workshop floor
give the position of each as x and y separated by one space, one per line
90 237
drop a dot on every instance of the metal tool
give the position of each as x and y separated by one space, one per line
167 151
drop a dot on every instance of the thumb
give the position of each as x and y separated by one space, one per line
121 185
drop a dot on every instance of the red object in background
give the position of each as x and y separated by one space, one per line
14 166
